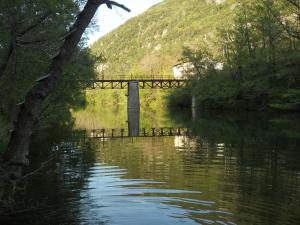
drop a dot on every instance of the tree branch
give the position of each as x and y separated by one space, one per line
113 3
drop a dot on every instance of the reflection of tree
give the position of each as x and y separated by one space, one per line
54 192
261 162
247 164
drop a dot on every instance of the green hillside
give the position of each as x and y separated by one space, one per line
153 41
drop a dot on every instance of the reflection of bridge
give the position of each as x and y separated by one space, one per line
144 132
142 83
133 103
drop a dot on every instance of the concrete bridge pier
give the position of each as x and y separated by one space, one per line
133 109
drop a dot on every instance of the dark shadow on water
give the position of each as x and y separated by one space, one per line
50 193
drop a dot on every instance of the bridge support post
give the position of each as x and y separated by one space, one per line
133 109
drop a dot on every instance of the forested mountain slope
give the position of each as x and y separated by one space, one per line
153 41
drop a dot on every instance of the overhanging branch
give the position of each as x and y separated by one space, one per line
113 3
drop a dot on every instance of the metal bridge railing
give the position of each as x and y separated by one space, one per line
144 84
138 77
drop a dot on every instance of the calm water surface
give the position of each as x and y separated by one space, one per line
232 169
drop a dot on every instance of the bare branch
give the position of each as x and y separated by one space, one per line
113 3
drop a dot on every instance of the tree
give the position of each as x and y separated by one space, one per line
30 109
29 24
31 33
261 59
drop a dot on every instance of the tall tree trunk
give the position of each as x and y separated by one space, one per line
18 147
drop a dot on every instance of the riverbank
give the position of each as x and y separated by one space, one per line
276 100
257 65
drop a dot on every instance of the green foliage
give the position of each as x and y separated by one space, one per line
181 98
287 100
31 33
261 61
70 93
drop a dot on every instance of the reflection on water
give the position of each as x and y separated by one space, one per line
231 170
137 201
133 122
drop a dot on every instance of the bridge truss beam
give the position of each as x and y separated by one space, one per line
144 84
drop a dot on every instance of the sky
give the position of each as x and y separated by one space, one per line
107 20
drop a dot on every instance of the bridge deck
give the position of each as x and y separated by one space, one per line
143 83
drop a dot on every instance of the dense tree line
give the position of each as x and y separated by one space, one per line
261 59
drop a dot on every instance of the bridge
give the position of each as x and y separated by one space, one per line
153 83
134 84
133 103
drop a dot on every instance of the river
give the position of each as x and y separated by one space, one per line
230 168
